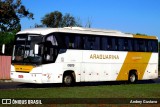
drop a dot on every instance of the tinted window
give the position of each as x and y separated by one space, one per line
92 43
121 44
154 44
104 41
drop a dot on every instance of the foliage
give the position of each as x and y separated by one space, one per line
68 20
7 38
57 19
141 34
10 13
53 19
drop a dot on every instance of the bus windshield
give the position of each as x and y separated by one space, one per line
24 49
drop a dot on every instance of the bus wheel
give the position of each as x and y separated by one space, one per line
68 80
132 77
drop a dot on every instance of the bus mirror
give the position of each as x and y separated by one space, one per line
3 48
36 49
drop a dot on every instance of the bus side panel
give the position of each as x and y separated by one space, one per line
134 61
52 73
102 65
152 68
72 61
101 71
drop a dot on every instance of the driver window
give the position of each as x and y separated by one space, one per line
52 39
50 51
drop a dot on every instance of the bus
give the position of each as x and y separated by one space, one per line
75 54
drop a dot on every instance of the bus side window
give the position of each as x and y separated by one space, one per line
126 44
52 39
114 44
82 42
149 46
104 43
121 44
77 42
136 45
145 45
130 45
96 43
142 46
92 43
109 43
49 52
155 46
70 41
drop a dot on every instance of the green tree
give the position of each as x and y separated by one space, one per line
10 13
68 20
7 38
57 19
53 19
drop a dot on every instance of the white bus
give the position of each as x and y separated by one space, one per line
74 54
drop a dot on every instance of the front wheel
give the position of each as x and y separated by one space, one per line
68 80
132 77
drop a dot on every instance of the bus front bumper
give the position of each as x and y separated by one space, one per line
26 77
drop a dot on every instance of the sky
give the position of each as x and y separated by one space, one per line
129 16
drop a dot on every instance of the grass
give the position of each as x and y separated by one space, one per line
102 91
99 91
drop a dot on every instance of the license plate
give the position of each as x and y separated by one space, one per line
20 76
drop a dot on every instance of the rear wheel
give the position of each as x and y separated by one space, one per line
132 77
68 80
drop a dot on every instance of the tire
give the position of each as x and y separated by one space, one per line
68 80
132 77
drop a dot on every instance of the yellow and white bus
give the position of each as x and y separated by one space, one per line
75 54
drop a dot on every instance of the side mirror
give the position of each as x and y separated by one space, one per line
3 48
36 49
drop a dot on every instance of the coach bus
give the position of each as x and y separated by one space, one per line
74 54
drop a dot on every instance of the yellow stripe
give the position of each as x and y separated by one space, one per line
145 37
134 60
23 68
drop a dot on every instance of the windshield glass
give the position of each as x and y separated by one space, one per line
24 49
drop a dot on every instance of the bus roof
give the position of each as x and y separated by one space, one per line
81 30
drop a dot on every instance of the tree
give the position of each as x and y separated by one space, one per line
53 19
68 20
56 19
10 13
7 38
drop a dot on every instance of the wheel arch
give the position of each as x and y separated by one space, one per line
133 71
70 72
